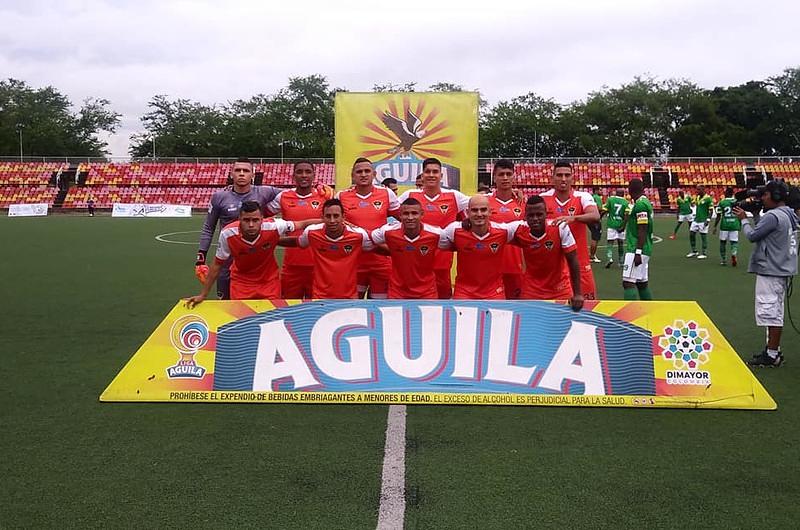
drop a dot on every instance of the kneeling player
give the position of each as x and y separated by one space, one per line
547 248
250 243
639 245
413 246
479 272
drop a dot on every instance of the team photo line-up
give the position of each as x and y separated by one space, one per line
367 241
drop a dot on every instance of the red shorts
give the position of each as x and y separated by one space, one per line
375 279
263 291
444 284
588 288
513 285
296 282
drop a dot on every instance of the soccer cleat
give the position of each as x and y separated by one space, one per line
733 261
764 360
673 236
609 264
595 259
723 263
691 254
701 256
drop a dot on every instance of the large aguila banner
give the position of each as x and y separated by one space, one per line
398 130
625 354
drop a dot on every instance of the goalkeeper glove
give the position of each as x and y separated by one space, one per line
200 267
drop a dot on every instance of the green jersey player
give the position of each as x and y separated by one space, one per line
684 212
639 244
615 208
702 218
729 229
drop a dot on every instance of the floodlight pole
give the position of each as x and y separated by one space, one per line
153 136
20 126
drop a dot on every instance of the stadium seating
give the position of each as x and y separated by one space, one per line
193 182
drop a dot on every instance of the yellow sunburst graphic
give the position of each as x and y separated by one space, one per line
400 130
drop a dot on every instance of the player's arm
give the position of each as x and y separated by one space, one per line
641 235
378 238
447 237
213 274
206 235
716 219
394 204
576 302
274 207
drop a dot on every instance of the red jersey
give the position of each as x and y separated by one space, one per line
508 212
254 271
412 260
440 210
335 260
546 271
576 204
479 273
369 212
295 207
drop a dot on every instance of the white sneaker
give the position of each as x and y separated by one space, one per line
595 260
702 256
691 254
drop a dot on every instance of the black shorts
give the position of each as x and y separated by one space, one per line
595 229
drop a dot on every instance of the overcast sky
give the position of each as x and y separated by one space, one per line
213 52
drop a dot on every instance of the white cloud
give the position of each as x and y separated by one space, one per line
128 51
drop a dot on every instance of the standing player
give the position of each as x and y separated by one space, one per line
390 183
249 244
303 202
639 239
577 209
479 272
336 248
548 248
595 229
505 208
702 218
369 206
442 207
615 207
684 212
413 246
730 227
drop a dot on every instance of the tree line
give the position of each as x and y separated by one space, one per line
645 117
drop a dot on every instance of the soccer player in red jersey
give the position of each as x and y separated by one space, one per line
303 202
578 210
412 245
552 271
369 206
336 248
442 207
506 207
479 272
250 243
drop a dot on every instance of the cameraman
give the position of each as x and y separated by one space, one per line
774 262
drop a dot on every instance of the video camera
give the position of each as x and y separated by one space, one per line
749 200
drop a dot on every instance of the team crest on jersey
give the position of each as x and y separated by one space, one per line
444 207
424 250
494 247
377 205
572 210
315 204
517 211
548 245
347 249
266 246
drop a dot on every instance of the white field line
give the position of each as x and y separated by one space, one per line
391 513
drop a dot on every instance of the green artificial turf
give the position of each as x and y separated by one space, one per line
80 295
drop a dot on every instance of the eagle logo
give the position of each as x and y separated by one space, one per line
572 210
315 204
494 247
347 249
423 250
548 245
408 131
444 207
377 205
517 211
407 126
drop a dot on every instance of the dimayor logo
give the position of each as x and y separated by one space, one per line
399 136
188 334
687 346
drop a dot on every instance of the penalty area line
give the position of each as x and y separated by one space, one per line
391 512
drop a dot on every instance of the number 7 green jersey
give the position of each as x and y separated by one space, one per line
616 207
